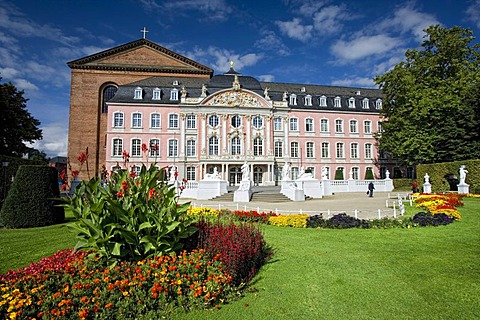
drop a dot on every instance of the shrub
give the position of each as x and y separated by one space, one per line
428 219
339 174
344 221
369 174
31 199
133 219
241 247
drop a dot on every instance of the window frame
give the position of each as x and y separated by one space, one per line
277 124
173 121
138 93
339 126
154 122
367 126
293 122
324 123
152 151
136 147
213 146
235 146
257 122
174 94
156 94
173 147
309 150
325 150
258 146
278 149
216 122
294 147
353 123
340 150
117 148
309 125
119 113
354 151
191 119
137 119
191 148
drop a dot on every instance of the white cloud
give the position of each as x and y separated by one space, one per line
362 82
8 73
295 29
309 8
55 140
473 13
363 46
23 84
329 19
271 42
219 59
266 77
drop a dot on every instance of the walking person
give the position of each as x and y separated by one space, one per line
371 187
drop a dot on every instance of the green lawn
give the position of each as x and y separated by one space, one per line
420 273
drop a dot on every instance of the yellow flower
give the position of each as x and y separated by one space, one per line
125 293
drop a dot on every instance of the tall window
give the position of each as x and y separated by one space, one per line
137 93
108 93
257 122
154 147
310 150
353 126
236 146
293 99
378 104
368 151
367 127
156 94
309 125
324 125
155 120
117 147
340 150
294 149
191 148
293 124
354 150
136 148
191 121
337 103
174 94
213 146
191 174
365 103
257 146
308 100
213 121
118 120
173 121
235 121
339 126
136 120
278 149
325 150
172 148
277 124
355 173
322 101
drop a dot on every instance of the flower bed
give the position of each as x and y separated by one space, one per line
441 204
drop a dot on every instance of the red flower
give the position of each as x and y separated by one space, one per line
82 157
155 147
75 173
133 174
151 193
125 155
144 147
119 194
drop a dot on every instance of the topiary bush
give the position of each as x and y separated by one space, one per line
31 201
339 174
427 219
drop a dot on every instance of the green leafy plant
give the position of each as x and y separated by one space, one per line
133 218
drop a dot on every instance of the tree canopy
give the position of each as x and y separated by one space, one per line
431 106
17 126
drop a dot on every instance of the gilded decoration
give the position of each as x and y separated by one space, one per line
234 99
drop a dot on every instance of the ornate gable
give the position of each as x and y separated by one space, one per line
140 56
236 98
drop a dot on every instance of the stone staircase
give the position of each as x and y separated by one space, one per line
260 194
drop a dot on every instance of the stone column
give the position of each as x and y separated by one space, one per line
286 149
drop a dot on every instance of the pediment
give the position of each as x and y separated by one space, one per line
236 98
140 55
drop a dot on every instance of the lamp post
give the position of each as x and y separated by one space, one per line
5 166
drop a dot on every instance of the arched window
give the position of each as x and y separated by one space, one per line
236 121
107 94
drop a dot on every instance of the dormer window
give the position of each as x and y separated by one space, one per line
293 99
174 94
322 101
351 102
378 104
302 89
138 93
156 94
175 83
308 100
365 103
337 103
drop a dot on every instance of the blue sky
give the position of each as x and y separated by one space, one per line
327 42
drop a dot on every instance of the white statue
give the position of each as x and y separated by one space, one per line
245 171
387 174
284 96
204 91
286 171
324 173
463 174
213 176
304 175
173 173
427 178
265 94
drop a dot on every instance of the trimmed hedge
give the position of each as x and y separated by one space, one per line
30 201
437 172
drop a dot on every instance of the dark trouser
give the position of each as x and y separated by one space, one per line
370 193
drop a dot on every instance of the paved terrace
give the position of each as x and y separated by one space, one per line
367 208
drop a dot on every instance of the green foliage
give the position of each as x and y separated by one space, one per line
131 219
17 126
31 199
432 100
339 175
369 174
438 171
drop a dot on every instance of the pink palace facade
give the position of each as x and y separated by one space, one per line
199 124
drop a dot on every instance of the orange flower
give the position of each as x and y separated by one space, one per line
83 313
108 305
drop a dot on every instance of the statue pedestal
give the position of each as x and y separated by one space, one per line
244 192
311 187
463 188
209 189
427 188
291 191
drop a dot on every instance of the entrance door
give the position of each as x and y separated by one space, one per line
234 176
257 175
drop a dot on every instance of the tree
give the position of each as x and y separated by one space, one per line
17 126
431 106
